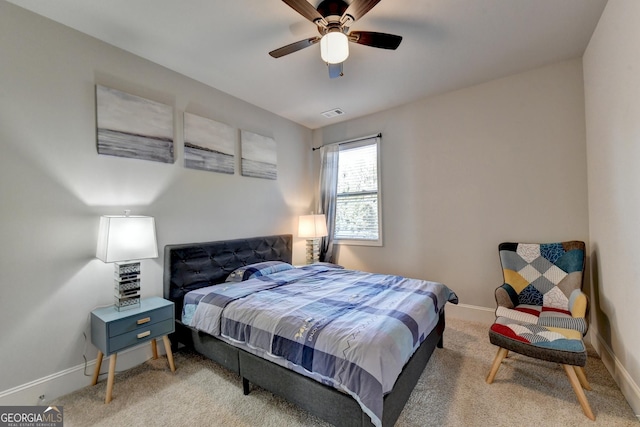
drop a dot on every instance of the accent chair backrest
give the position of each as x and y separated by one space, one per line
542 274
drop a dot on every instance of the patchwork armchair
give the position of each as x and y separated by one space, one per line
542 311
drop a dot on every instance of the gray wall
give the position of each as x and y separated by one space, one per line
54 186
612 80
464 171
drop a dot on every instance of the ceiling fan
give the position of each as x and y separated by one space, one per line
333 19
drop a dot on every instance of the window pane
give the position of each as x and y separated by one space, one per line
357 198
357 217
357 170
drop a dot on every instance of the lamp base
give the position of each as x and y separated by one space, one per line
127 303
313 250
126 285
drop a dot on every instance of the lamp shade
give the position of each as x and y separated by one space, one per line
312 226
126 238
334 47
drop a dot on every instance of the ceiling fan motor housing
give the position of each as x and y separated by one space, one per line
332 11
332 8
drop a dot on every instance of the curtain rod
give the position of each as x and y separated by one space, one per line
376 135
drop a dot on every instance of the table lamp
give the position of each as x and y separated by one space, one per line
124 239
312 227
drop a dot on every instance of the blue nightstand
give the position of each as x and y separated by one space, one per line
113 331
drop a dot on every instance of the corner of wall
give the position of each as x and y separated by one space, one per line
620 375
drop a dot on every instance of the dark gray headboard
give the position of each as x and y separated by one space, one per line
196 265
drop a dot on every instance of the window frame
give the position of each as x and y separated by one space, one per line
374 140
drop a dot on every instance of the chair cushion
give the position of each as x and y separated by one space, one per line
559 345
544 316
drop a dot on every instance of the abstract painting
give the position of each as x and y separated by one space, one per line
135 127
259 156
208 145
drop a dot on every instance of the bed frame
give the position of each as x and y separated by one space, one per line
196 265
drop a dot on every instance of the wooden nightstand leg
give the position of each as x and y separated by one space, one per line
154 347
96 371
112 371
167 348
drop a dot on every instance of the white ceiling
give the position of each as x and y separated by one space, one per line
447 44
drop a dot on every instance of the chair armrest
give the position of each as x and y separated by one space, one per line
506 296
574 319
578 303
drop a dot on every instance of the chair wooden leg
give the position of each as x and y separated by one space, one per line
502 353
582 377
577 388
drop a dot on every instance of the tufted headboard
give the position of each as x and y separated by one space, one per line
196 265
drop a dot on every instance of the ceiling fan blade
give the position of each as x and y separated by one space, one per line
358 8
335 70
380 40
304 8
294 47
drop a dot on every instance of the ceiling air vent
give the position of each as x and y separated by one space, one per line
333 113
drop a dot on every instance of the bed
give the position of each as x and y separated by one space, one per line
194 279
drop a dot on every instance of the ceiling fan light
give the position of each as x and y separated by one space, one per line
334 47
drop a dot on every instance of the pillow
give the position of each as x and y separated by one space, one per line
256 270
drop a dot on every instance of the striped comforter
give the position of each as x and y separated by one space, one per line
349 329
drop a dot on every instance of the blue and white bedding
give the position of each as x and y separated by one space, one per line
352 330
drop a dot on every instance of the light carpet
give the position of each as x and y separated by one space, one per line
451 392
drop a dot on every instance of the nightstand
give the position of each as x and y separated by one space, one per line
113 331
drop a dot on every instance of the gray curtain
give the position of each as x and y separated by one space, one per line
327 199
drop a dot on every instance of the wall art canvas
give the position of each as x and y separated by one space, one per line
209 145
259 156
135 127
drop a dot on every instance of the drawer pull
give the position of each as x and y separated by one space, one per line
143 321
144 334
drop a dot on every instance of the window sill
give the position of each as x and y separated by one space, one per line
357 242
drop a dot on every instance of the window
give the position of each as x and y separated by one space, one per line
358 204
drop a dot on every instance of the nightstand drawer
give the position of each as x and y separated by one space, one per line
140 335
140 321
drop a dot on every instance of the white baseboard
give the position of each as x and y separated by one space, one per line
72 379
471 313
621 376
